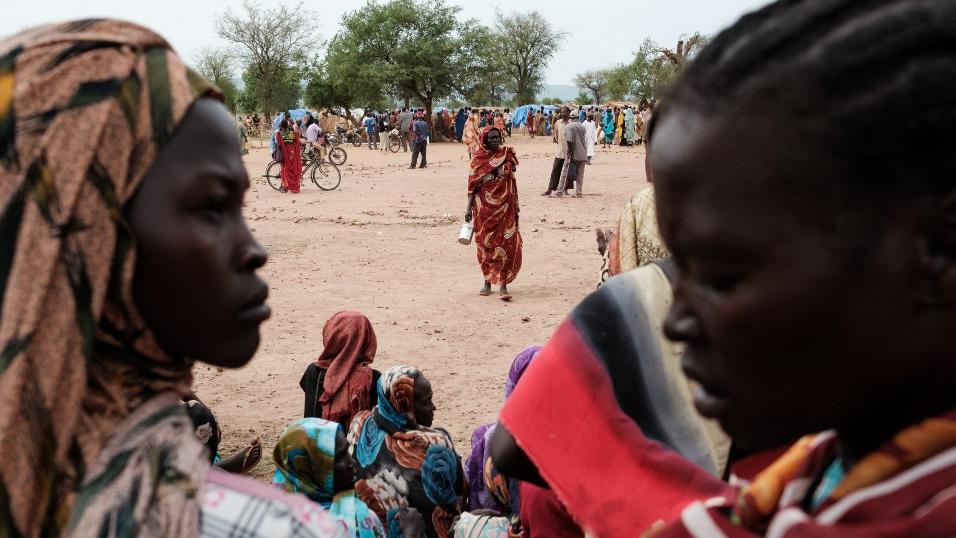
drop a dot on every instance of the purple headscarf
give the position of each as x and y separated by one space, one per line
518 367
479 496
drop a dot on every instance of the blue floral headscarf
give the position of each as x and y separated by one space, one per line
305 463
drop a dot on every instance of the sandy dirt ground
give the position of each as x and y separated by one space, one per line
384 243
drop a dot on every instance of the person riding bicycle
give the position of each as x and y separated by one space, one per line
312 134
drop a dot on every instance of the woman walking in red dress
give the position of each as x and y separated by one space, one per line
493 205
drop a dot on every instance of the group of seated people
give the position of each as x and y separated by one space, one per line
806 305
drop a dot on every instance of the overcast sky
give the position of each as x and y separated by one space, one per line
601 32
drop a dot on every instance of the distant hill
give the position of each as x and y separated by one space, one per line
564 92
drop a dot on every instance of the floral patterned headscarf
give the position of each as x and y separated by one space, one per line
95 442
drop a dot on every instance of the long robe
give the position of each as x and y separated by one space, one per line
495 212
291 161
630 127
608 126
460 125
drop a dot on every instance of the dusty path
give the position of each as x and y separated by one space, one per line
384 243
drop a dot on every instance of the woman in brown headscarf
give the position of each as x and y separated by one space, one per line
340 383
123 257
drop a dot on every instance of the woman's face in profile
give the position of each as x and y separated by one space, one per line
195 281
786 332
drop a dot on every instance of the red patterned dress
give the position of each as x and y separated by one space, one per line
495 211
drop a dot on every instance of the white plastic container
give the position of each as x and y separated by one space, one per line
467 231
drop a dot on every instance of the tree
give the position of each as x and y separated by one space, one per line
652 69
409 49
594 81
486 82
273 43
216 65
686 48
583 98
527 43
285 91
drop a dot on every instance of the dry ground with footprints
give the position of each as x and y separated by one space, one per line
384 243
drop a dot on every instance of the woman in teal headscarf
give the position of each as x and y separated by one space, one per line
312 458
403 462
607 123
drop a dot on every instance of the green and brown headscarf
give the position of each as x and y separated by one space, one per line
93 441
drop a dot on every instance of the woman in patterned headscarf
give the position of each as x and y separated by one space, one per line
470 134
485 491
340 383
493 205
312 458
123 256
402 461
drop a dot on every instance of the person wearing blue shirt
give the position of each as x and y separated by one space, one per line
420 128
371 129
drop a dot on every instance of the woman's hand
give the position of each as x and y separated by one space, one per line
411 522
468 216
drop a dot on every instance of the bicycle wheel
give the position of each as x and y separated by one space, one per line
338 156
272 175
326 176
394 144
357 141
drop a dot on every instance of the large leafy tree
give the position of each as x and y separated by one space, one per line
273 42
528 42
484 81
408 49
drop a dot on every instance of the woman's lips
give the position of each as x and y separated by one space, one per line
256 310
707 403
255 314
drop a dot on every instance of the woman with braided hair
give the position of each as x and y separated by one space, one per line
816 287
124 257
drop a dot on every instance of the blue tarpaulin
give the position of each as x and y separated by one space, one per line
297 114
521 113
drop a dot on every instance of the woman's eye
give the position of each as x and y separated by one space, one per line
214 207
721 282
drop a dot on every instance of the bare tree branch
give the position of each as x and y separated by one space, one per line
270 40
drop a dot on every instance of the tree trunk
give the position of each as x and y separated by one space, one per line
429 119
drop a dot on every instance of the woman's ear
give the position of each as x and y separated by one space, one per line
938 254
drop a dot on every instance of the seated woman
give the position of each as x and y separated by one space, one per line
402 461
124 256
608 388
340 383
522 509
210 435
636 241
312 458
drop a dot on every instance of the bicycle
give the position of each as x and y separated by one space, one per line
394 141
329 175
350 135
337 154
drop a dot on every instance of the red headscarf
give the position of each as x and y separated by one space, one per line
484 161
350 346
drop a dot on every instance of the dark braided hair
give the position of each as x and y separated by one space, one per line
871 82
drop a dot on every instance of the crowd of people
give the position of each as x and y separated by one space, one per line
770 354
